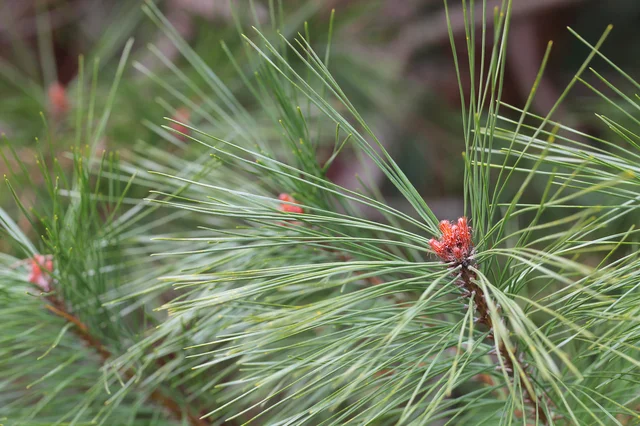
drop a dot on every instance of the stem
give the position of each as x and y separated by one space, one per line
57 307
467 281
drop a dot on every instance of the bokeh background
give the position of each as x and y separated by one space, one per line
392 57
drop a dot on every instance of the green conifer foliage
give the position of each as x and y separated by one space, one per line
223 278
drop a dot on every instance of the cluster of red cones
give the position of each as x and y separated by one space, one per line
289 205
455 245
58 101
183 115
40 275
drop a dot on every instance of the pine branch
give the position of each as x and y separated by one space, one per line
456 249
81 330
473 291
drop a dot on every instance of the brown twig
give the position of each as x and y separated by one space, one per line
58 308
473 291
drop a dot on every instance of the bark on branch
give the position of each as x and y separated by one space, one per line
57 307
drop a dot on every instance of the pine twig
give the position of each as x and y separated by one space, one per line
81 330
473 291
456 249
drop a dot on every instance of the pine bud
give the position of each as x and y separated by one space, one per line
289 205
58 102
455 245
182 115
40 275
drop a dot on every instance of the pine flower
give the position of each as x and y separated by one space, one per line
289 208
183 115
37 276
58 101
455 245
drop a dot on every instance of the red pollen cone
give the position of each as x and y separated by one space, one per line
289 208
455 245
183 115
37 276
58 102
